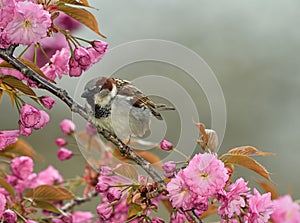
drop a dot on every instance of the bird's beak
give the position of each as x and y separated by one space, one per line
86 94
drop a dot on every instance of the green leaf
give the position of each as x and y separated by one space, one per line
83 16
7 187
16 83
49 193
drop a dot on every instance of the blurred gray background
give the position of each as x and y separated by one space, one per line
253 47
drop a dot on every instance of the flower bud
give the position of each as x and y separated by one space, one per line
67 127
64 154
9 216
166 145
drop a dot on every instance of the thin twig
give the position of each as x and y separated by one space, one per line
79 200
125 150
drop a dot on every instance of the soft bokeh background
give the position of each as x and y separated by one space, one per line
252 46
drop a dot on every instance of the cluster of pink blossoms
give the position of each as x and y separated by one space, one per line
22 22
21 178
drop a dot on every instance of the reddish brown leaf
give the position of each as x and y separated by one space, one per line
44 205
16 83
83 16
249 163
49 193
19 148
7 187
74 2
248 151
212 209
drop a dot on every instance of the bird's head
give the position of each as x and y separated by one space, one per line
100 91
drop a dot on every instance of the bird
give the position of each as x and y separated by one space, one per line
120 107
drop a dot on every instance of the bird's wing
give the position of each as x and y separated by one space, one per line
136 97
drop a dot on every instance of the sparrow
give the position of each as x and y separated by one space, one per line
119 107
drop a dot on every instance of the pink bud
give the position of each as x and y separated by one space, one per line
30 116
82 56
48 102
100 46
25 131
101 187
113 194
60 142
166 145
169 169
9 216
44 120
67 127
105 171
64 154
104 211
8 137
75 68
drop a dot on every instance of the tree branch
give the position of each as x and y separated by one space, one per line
125 150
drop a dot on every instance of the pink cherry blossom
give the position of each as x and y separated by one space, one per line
206 174
64 154
234 199
169 169
82 216
2 204
180 194
30 116
7 8
9 216
166 145
67 127
44 120
8 137
49 176
21 184
59 64
21 166
30 23
104 211
48 102
260 207
286 210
